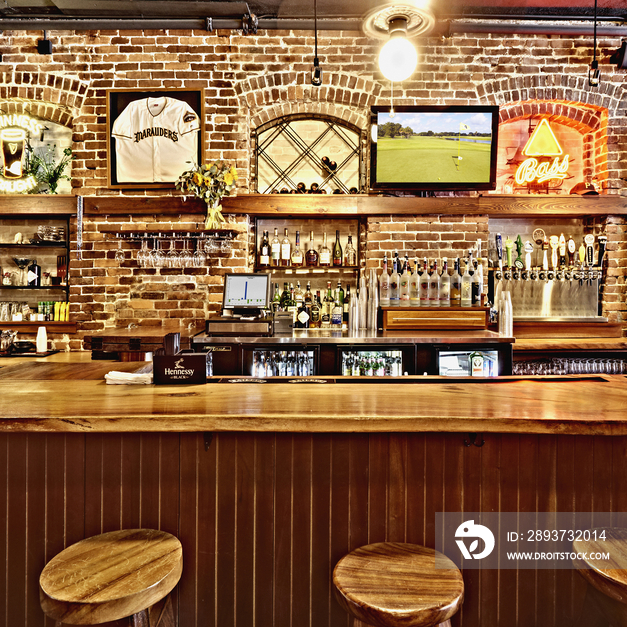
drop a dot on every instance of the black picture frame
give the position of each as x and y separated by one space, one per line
119 99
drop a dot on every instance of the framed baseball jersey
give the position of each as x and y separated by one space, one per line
153 136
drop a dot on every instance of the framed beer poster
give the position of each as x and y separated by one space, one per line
153 136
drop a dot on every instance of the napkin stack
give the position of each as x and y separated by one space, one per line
116 377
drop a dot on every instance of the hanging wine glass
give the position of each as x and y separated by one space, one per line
200 258
186 259
143 254
120 255
172 258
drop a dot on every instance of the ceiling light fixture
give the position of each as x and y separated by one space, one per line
397 24
316 70
398 57
594 74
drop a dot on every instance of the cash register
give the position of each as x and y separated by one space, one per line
245 302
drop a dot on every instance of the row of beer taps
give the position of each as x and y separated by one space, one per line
567 262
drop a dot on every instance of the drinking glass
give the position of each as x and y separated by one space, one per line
172 258
186 258
143 255
157 256
120 255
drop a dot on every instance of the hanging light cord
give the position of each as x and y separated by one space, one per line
316 28
594 58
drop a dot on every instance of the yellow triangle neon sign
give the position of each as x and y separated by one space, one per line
542 142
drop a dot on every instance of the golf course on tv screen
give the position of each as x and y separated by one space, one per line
441 147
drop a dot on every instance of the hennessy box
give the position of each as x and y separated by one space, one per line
183 368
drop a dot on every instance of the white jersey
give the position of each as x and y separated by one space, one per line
156 140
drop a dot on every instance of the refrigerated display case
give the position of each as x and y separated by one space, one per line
279 361
375 363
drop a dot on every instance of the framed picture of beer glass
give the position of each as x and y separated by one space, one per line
153 136
31 149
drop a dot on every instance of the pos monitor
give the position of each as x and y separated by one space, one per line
246 294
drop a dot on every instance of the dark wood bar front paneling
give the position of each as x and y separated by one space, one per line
264 517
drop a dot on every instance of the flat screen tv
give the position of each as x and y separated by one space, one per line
434 147
246 292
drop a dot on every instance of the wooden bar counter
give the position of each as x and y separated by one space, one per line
268 485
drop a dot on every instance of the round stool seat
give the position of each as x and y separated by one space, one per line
607 579
110 576
398 585
612 581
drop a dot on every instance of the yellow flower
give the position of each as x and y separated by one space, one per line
228 178
233 173
198 179
207 180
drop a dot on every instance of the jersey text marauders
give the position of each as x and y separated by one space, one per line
156 140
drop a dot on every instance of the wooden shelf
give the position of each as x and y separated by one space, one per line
307 269
31 327
31 205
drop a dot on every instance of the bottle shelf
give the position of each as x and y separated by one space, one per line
40 245
305 270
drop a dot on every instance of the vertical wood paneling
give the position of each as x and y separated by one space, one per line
263 518
245 539
264 529
35 515
320 531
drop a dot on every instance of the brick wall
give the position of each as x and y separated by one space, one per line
250 80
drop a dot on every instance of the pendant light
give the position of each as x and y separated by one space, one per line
316 70
594 74
397 24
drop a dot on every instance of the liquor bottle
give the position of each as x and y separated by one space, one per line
327 307
347 300
264 251
303 316
312 253
299 297
404 284
275 249
445 285
434 286
325 253
414 280
456 286
308 296
476 287
350 254
292 304
423 285
337 311
395 293
384 284
314 322
285 297
466 289
33 275
337 250
286 250
276 299
297 253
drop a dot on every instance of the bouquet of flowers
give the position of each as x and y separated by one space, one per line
209 182
46 170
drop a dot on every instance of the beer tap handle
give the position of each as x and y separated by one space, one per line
562 250
545 253
582 254
554 243
571 251
508 251
589 241
499 250
602 239
528 248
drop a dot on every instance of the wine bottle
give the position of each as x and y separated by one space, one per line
466 289
325 253
395 295
384 285
346 307
350 255
327 307
297 253
475 288
445 285
286 250
314 322
414 286
456 286
275 249
404 284
264 251
434 286
337 250
423 289
312 253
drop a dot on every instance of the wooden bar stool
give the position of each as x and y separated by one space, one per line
398 585
121 577
607 587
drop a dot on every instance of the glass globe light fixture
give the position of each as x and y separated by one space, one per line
398 57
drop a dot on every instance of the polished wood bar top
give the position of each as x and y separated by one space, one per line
75 397
571 344
110 576
391 584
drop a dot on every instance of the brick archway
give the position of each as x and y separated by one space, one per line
46 96
280 94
